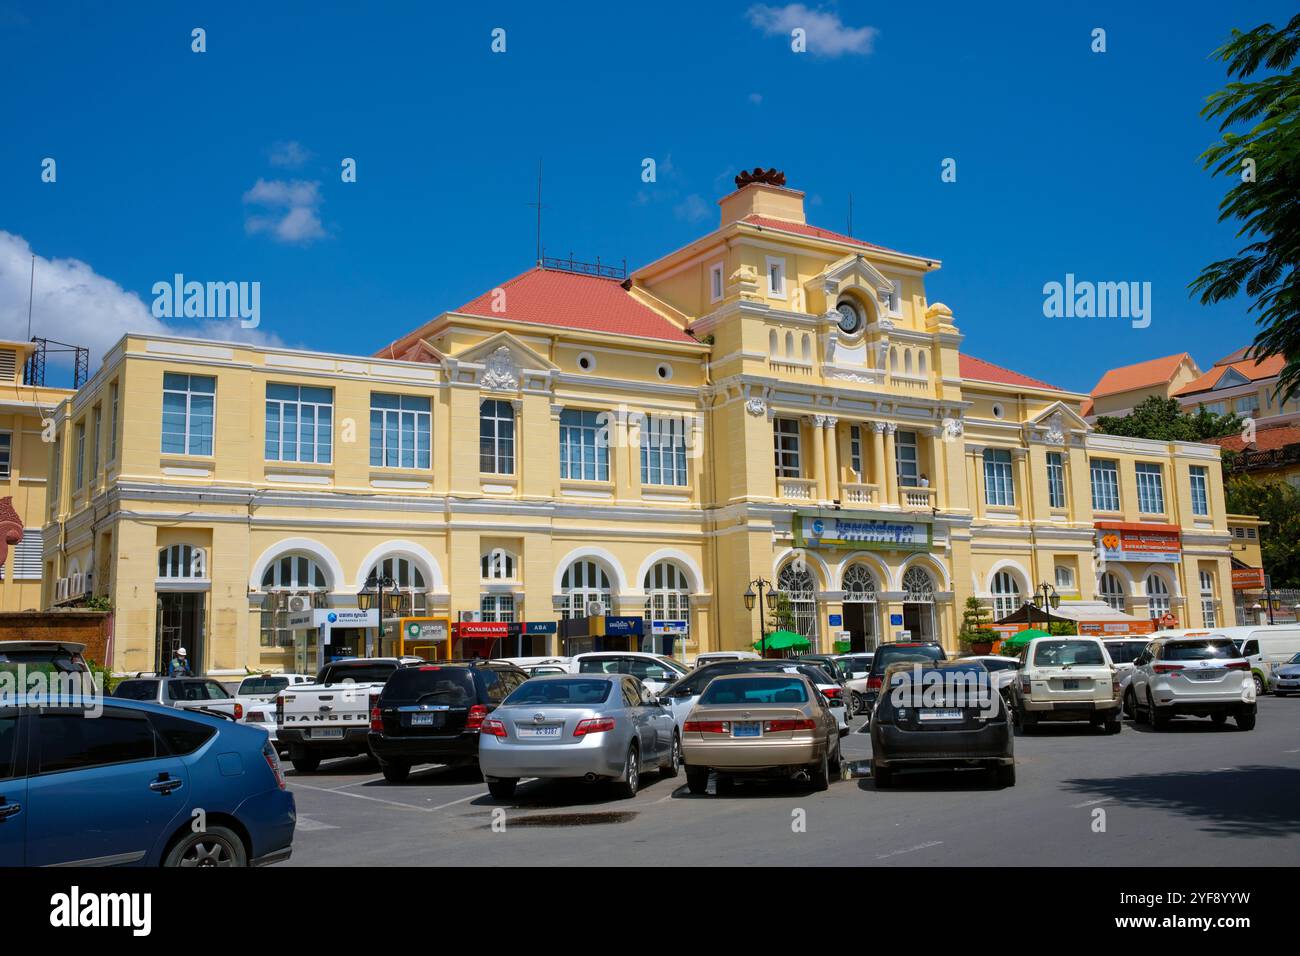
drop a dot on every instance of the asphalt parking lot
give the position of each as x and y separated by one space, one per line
1195 795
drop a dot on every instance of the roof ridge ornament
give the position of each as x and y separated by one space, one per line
770 177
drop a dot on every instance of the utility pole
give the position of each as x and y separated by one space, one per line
538 204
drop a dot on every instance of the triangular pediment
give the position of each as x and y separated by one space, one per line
853 270
1055 422
519 354
1230 378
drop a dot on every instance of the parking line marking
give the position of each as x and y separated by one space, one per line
308 823
362 782
363 796
444 806
1291 751
1089 803
910 849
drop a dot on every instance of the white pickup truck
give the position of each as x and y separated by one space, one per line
331 717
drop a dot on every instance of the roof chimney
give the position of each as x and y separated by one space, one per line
762 192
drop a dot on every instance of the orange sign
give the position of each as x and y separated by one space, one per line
1247 578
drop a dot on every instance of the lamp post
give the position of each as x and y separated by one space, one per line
1046 600
373 596
761 584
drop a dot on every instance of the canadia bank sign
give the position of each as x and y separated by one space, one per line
833 530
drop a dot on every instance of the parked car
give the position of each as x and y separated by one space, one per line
1199 676
859 664
1264 646
257 693
1067 679
682 696
1286 678
718 657
532 666
330 717
1003 671
1123 652
969 726
432 713
184 693
760 724
833 664
921 652
591 726
653 670
120 789
61 657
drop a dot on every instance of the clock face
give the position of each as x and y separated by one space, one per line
849 318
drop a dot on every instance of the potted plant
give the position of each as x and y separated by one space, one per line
976 636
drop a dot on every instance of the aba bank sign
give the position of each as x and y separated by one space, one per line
873 534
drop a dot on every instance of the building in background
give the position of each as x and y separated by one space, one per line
1122 389
773 401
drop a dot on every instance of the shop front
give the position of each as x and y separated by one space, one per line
529 639
425 637
478 639
322 635
579 635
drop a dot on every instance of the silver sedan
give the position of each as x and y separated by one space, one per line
586 726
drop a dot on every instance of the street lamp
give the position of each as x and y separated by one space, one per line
1046 600
761 584
373 596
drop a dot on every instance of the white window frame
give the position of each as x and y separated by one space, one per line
1118 599
1064 577
498 607
28 556
192 440
895 304
1108 470
1006 594
581 435
663 450
6 453
112 421
97 417
79 473
1198 478
786 447
318 430
420 423
772 290
1209 602
1159 598
1056 480
855 450
1150 480
999 478
502 462
717 284
497 564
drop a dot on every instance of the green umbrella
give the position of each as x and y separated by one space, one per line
782 641
1021 638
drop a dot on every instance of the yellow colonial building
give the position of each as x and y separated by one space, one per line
773 401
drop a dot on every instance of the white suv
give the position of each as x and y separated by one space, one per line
1066 678
1203 676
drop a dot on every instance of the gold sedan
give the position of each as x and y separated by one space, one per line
760 724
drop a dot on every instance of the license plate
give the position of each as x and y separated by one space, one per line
1070 684
941 715
426 720
327 733
538 731
746 728
1206 674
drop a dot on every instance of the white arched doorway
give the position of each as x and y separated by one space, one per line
918 604
797 587
860 607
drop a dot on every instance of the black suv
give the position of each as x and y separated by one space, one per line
925 652
432 713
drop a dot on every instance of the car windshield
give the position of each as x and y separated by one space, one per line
44 661
1199 650
1294 660
571 692
1124 652
263 685
755 690
357 673
137 690
1067 653
432 684
887 655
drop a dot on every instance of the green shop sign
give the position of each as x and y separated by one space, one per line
834 529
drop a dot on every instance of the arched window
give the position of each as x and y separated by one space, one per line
181 561
907 361
918 603
1006 595
668 594
859 585
1112 592
1158 603
771 343
918 586
583 583
497 565
893 359
806 348
789 345
920 362
288 577
408 577
1209 606
797 584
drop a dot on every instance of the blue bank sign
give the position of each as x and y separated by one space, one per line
836 530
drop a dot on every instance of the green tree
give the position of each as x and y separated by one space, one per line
1277 503
975 621
782 617
1163 419
1259 121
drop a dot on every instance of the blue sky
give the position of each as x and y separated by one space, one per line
1068 161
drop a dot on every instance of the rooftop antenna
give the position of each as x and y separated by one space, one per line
538 204
31 287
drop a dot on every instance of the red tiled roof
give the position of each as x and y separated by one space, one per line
1086 408
574 301
803 229
1250 369
1156 371
1267 438
979 370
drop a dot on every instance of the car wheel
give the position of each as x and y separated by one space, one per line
503 788
304 761
1245 721
1260 688
697 780
1006 776
1028 722
859 705
1159 718
215 846
1114 724
820 772
882 777
1218 719
674 764
1130 704
837 762
396 772
631 782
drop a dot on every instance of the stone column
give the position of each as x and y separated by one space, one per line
832 458
891 471
878 461
819 457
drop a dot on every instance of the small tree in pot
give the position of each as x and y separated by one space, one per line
976 636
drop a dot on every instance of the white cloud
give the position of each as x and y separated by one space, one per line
692 209
72 303
292 210
826 33
289 154
756 98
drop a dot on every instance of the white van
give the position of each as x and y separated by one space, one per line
1265 646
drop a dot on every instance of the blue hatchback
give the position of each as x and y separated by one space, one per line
119 782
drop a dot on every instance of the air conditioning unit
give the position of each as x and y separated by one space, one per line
471 616
61 590
300 602
76 585
595 609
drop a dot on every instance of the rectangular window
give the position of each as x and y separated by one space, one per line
905 460
1200 490
400 426
27 557
6 450
112 421
999 488
1151 489
1105 484
785 437
79 472
1215 408
1064 578
715 282
776 278
584 445
299 423
855 450
98 418
498 607
189 402
1247 405
496 437
1209 608
663 450
1055 479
